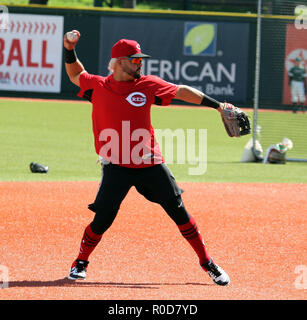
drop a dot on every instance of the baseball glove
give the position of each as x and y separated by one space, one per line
275 156
38 168
236 121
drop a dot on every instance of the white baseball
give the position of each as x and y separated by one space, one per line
71 36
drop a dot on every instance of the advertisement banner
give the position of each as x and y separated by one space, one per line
31 53
210 56
295 57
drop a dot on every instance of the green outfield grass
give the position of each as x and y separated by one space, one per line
60 135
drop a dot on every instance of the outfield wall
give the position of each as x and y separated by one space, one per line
214 52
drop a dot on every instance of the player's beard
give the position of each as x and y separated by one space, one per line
135 74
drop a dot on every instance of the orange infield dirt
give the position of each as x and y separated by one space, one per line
256 232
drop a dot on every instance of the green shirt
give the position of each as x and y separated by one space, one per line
297 73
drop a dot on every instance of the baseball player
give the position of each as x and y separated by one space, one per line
122 101
297 78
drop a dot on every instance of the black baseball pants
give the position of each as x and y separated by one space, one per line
155 183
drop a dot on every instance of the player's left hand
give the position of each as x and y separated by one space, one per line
235 120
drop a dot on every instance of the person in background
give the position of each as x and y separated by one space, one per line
297 81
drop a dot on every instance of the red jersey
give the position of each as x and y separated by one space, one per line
121 119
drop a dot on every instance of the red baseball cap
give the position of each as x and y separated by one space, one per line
127 48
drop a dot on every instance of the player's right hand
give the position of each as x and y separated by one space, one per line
69 45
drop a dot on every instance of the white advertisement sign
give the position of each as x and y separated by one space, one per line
31 53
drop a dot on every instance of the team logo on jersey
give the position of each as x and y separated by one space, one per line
136 99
